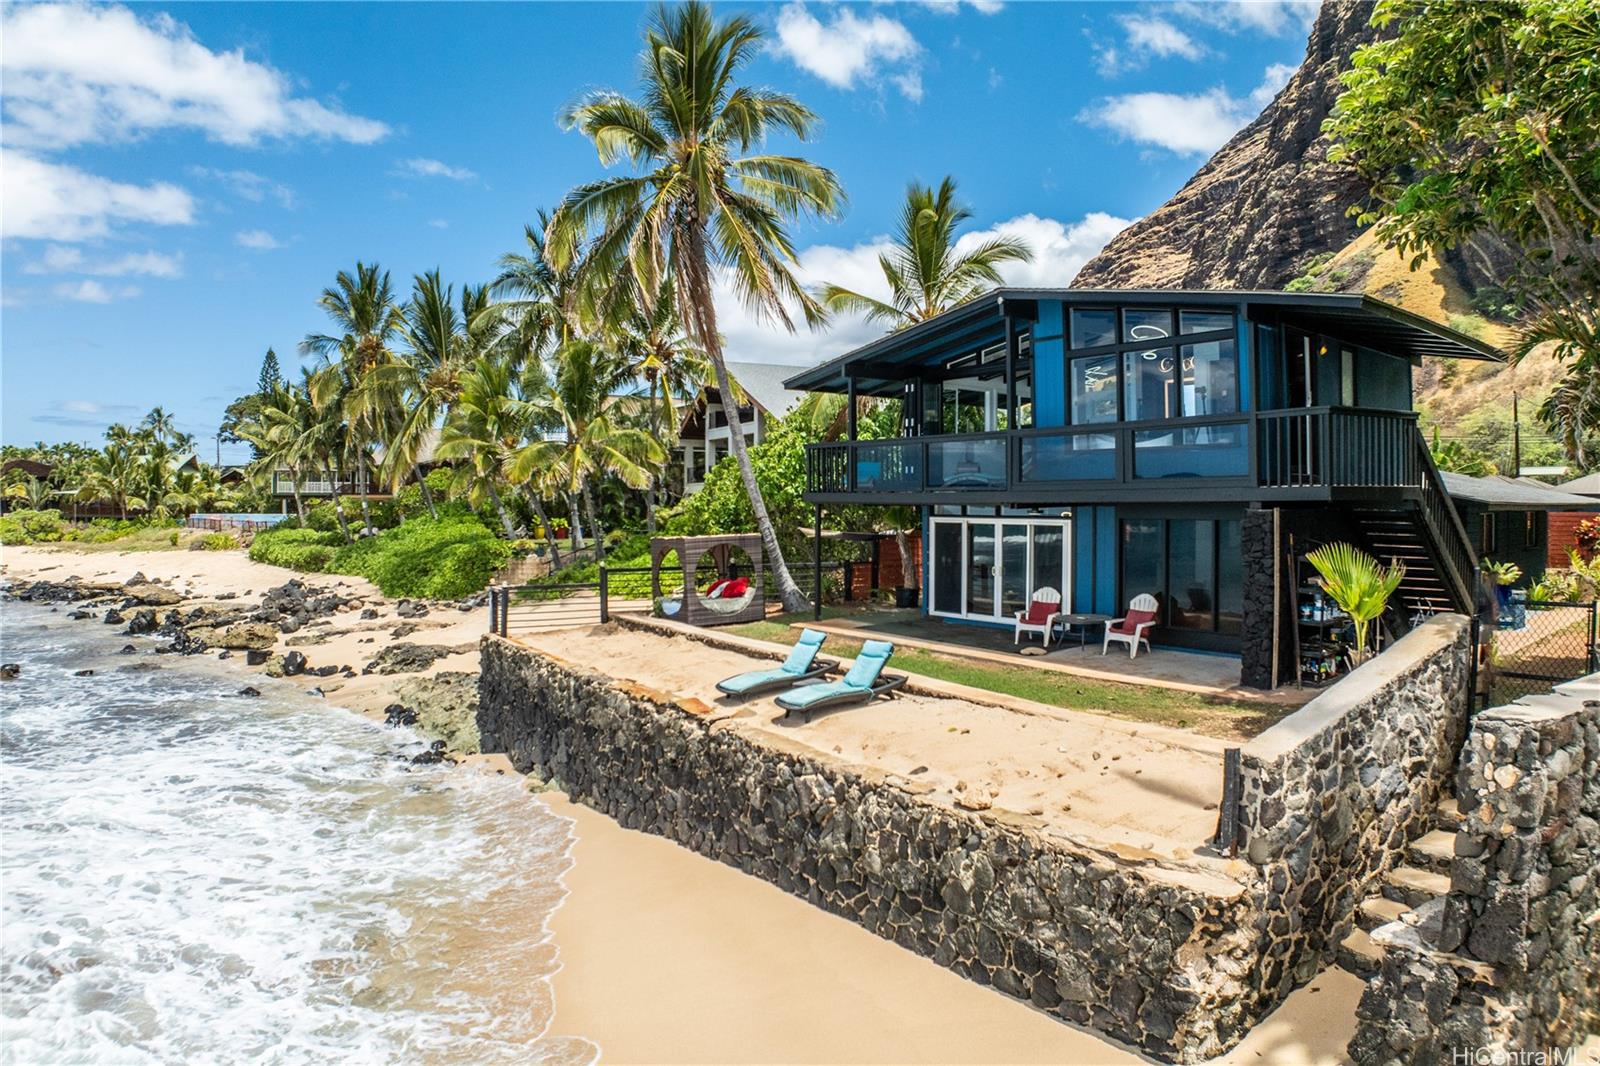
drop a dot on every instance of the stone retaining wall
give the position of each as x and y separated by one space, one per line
1332 795
1513 960
1162 959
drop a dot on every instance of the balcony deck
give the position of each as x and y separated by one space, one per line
1312 453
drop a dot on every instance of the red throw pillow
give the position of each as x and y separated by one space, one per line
1040 611
735 588
714 589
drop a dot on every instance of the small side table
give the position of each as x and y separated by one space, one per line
1082 623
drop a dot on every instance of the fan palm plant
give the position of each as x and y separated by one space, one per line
697 204
593 442
925 273
1359 584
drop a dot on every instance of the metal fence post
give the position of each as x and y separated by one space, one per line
494 608
605 594
505 610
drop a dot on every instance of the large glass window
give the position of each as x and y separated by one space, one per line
980 568
1210 378
1091 328
1094 389
1193 566
947 567
1147 385
1204 321
974 576
1143 324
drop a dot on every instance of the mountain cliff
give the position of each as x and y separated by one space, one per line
1267 201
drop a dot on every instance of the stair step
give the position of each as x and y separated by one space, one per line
1447 815
1433 851
1378 910
1359 955
1414 887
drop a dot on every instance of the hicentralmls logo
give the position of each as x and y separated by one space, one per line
1491 1056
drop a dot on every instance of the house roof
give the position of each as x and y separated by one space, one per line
1512 494
1587 485
1353 317
764 383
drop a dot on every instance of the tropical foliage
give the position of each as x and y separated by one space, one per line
1476 126
1359 584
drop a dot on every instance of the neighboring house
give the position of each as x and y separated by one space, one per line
1510 519
703 432
1189 444
1564 526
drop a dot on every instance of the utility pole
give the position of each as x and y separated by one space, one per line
1516 437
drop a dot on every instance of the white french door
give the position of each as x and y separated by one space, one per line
987 569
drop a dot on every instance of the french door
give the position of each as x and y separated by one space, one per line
987 569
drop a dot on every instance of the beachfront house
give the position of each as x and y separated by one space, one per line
1192 445
704 435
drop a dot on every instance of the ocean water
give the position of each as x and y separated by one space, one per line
187 875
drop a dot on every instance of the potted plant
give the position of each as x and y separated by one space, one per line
1360 585
1504 576
900 519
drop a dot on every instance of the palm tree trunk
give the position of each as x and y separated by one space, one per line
500 509
595 531
427 493
338 505
299 504
544 524
650 507
703 321
361 476
574 530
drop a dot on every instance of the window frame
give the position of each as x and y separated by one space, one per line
1176 341
997 614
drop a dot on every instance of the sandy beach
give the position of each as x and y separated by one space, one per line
668 957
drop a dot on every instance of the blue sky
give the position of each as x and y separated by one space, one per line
181 181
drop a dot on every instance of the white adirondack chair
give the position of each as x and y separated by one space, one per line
1041 615
1130 628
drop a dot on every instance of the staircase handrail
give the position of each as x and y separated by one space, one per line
1458 560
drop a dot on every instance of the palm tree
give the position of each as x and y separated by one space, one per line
536 299
160 424
1359 584
698 203
594 442
925 274
363 308
278 434
112 475
648 334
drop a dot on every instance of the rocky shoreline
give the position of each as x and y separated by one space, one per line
283 633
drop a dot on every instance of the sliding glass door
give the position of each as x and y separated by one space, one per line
988 569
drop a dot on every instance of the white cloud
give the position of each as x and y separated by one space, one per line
258 240
1059 251
850 50
951 7
1188 124
60 202
439 223
94 292
1148 37
248 185
1272 17
64 259
76 74
432 168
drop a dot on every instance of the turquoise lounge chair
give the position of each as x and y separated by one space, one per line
865 681
801 665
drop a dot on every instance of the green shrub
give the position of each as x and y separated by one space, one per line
408 501
295 549
217 542
1471 325
443 558
33 527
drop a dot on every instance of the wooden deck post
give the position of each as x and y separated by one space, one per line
816 564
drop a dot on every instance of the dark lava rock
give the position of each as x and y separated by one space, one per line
224 654
404 629
113 617
128 649
138 578
80 615
256 657
317 691
294 662
324 671
142 622
399 714
83 673
8 671
411 658
410 609
249 690
434 754
369 614
227 596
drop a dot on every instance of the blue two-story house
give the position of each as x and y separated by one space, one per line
1189 444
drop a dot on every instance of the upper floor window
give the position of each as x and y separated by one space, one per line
1144 371
1093 327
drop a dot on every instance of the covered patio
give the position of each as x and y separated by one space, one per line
1204 673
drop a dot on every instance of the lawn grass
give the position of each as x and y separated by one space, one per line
150 539
1209 715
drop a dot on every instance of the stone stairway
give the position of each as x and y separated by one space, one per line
1412 893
